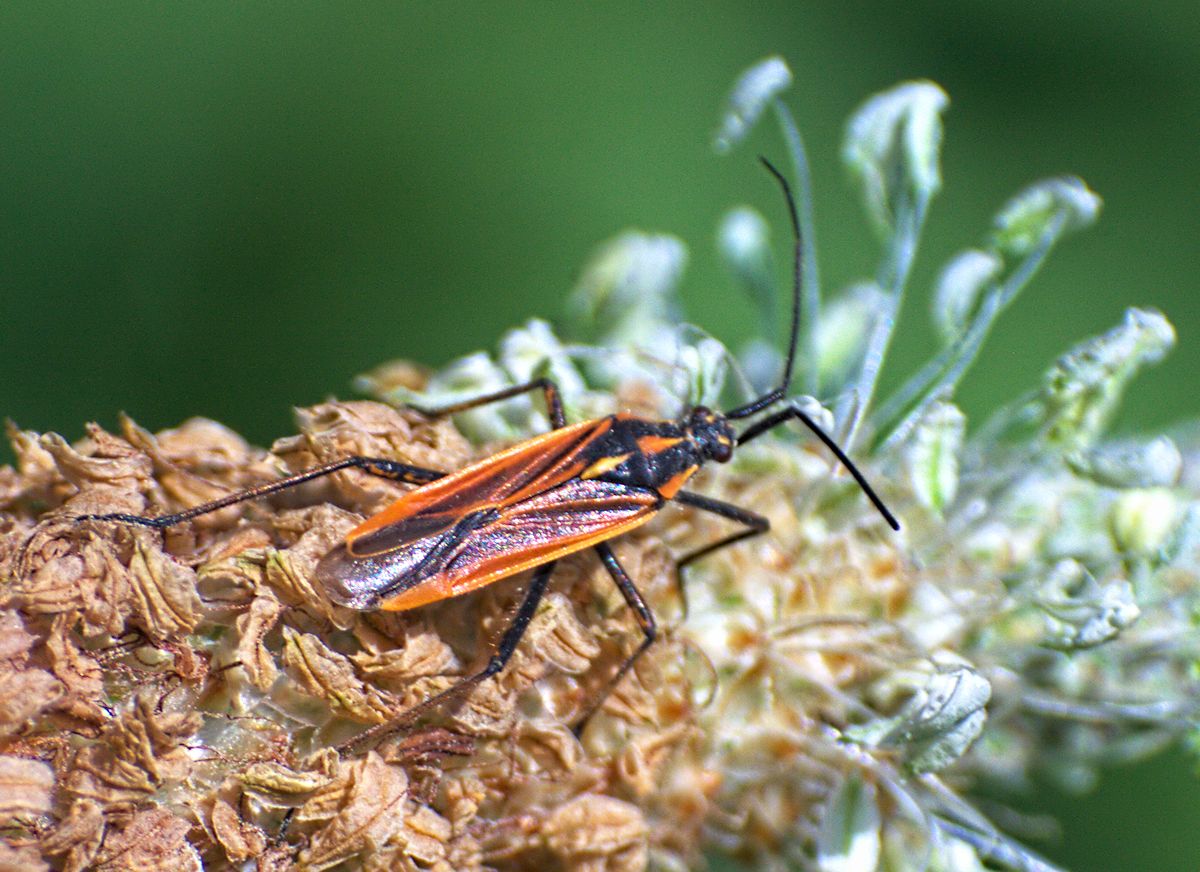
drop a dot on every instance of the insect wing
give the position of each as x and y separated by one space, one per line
404 554
528 468
569 518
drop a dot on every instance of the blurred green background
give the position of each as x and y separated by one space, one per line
230 209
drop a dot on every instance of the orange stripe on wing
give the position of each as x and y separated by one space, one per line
528 467
442 587
574 516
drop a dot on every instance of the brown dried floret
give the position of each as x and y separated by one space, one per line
312 532
421 654
356 814
598 834
165 603
154 840
239 839
35 479
251 654
329 676
277 785
25 787
135 754
61 569
77 837
25 691
420 844
103 466
332 431
556 637
198 461
82 677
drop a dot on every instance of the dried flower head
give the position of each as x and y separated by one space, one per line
826 696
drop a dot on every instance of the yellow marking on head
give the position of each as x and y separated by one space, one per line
603 465
655 444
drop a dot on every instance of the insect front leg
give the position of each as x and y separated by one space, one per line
504 651
755 525
645 619
392 469
549 389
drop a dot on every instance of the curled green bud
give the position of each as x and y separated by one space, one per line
1142 520
1155 463
1083 388
959 288
1051 206
933 455
625 292
893 147
1080 611
938 723
751 94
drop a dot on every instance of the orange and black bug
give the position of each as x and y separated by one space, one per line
575 487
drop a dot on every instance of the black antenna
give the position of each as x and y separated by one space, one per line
780 392
792 411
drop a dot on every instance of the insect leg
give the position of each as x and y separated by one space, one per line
755 525
549 389
504 651
645 619
392 469
793 411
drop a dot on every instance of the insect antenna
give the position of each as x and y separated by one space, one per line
774 396
780 392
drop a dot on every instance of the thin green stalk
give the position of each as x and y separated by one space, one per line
953 362
893 275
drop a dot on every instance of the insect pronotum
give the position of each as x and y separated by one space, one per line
574 487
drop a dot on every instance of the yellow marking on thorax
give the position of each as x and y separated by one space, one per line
603 465
671 486
655 444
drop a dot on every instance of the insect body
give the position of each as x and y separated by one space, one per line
545 498
573 488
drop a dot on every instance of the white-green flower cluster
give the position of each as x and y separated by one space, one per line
1036 614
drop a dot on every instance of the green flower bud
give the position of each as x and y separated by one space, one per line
754 89
625 292
1053 206
1080 611
959 288
933 453
845 325
938 723
893 147
1143 519
1083 388
1155 463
